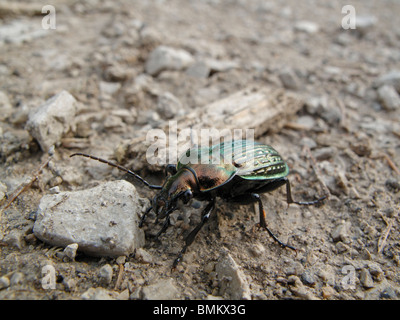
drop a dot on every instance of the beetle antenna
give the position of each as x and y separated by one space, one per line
119 167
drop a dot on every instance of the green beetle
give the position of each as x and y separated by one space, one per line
236 171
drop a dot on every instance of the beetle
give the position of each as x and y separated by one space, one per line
236 171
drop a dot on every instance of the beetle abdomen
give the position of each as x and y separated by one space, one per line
254 161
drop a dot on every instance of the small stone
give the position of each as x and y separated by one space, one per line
15 239
393 185
120 260
221 65
209 267
306 26
341 232
160 290
341 247
391 79
389 97
295 268
106 274
4 282
143 256
289 79
308 142
124 295
200 69
366 279
308 278
17 278
231 278
365 23
52 120
376 272
98 294
167 58
328 292
69 284
168 106
388 293
70 251
108 88
257 249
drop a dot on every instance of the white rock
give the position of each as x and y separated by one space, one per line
389 97
98 294
306 26
103 220
167 58
160 290
365 23
52 120
4 282
392 78
106 274
289 79
168 105
70 250
231 278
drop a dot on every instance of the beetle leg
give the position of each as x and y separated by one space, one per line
190 238
144 216
164 227
290 199
263 222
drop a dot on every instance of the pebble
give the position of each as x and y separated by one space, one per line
98 294
4 282
160 290
306 26
20 31
168 106
341 232
365 23
328 292
69 284
70 251
106 274
199 69
308 278
366 279
15 238
143 256
392 79
232 281
48 123
167 58
289 79
294 268
389 97
81 217
17 278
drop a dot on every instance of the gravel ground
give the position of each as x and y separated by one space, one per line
112 70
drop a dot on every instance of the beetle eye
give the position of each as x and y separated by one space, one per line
187 195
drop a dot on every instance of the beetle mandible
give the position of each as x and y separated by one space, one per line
204 173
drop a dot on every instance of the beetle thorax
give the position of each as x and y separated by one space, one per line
178 183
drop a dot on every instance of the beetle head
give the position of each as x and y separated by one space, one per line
176 187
